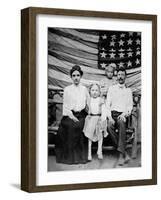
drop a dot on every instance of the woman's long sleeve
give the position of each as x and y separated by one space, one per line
66 104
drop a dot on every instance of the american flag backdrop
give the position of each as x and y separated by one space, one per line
122 48
93 50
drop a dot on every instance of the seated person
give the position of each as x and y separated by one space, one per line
71 144
119 105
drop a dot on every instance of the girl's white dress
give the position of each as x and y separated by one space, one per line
95 123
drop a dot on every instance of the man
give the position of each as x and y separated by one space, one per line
119 105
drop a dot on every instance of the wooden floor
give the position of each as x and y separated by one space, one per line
110 160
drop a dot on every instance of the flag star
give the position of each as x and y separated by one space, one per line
121 43
121 64
138 41
139 34
112 43
129 64
137 61
112 50
104 36
113 37
129 49
121 55
112 55
103 54
121 50
130 33
103 49
103 65
138 52
122 35
129 41
129 54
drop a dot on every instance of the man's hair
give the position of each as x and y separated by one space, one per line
76 68
122 69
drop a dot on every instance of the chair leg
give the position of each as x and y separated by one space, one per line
89 150
134 145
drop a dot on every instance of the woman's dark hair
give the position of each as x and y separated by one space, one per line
122 69
76 68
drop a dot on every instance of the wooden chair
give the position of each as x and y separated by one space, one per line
54 110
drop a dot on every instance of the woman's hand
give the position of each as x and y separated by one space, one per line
75 119
122 117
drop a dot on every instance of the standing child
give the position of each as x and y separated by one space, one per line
109 80
95 123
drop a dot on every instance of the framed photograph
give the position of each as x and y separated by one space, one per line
88 99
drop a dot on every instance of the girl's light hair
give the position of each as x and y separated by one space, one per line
112 66
99 88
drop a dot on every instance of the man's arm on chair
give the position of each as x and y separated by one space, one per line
129 106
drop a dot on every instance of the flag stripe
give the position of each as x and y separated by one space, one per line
74 34
70 58
72 43
72 51
63 77
54 61
87 76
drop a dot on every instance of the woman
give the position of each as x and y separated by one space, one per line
71 144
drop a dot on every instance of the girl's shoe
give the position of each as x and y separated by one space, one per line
121 160
100 156
127 158
89 157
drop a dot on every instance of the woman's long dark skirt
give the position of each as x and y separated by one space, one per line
71 144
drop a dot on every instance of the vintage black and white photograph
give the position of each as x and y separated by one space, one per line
89 99
94 99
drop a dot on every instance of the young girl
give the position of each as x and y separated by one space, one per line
95 123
